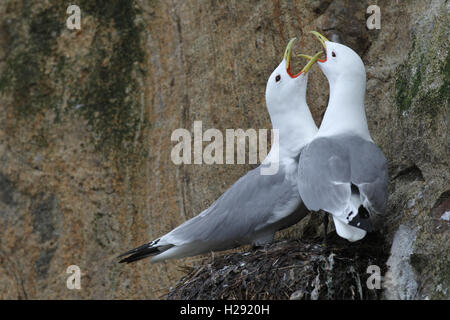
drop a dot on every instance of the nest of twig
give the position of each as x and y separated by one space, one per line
287 270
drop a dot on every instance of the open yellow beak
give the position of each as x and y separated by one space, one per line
287 53
287 57
312 61
321 38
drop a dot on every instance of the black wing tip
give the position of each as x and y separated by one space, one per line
124 260
139 253
134 250
139 256
362 220
128 260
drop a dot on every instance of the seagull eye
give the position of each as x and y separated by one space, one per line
333 54
277 78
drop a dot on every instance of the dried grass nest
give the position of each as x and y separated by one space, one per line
290 269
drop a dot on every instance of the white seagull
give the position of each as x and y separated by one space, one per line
342 171
258 204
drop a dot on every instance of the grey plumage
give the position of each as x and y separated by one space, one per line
258 196
331 165
249 212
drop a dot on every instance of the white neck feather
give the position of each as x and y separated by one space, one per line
296 128
345 112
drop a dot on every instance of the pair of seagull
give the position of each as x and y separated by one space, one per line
336 168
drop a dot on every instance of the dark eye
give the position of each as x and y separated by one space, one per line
333 54
277 78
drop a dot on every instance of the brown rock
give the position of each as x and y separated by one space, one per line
86 118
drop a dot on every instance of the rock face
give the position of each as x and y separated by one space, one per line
86 118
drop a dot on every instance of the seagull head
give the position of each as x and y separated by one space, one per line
340 61
285 88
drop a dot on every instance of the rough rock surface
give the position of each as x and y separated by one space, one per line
86 118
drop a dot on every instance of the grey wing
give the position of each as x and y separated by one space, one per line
323 175
369 173
328 168
250 205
